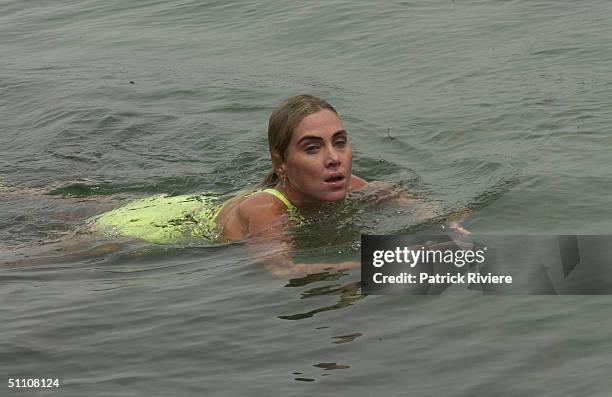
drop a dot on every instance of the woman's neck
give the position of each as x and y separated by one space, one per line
306 207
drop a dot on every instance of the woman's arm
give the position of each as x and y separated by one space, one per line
264 226
276 257
380 192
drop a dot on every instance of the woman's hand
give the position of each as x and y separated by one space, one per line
455 222
457 227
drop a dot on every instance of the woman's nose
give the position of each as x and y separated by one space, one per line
332 158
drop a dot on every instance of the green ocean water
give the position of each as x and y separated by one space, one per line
500 106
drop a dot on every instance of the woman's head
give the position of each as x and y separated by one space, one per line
286 117
311 157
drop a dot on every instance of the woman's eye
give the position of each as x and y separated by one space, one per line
311 149
341 143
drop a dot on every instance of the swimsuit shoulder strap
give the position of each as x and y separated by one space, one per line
281 197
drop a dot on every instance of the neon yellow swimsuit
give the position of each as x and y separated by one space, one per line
166 219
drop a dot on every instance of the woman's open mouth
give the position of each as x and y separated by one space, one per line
335 180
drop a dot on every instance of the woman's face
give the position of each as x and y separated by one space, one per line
318 160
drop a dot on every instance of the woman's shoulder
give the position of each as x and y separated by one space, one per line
256 204
357 182
261 203
250 215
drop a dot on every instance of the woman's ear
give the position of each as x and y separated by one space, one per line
278 165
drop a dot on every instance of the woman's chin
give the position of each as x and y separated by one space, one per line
335 196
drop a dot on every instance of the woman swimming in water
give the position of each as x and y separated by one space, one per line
311 166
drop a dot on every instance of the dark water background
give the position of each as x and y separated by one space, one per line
502 106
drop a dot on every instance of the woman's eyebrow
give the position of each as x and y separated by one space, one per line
309 138
318 138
